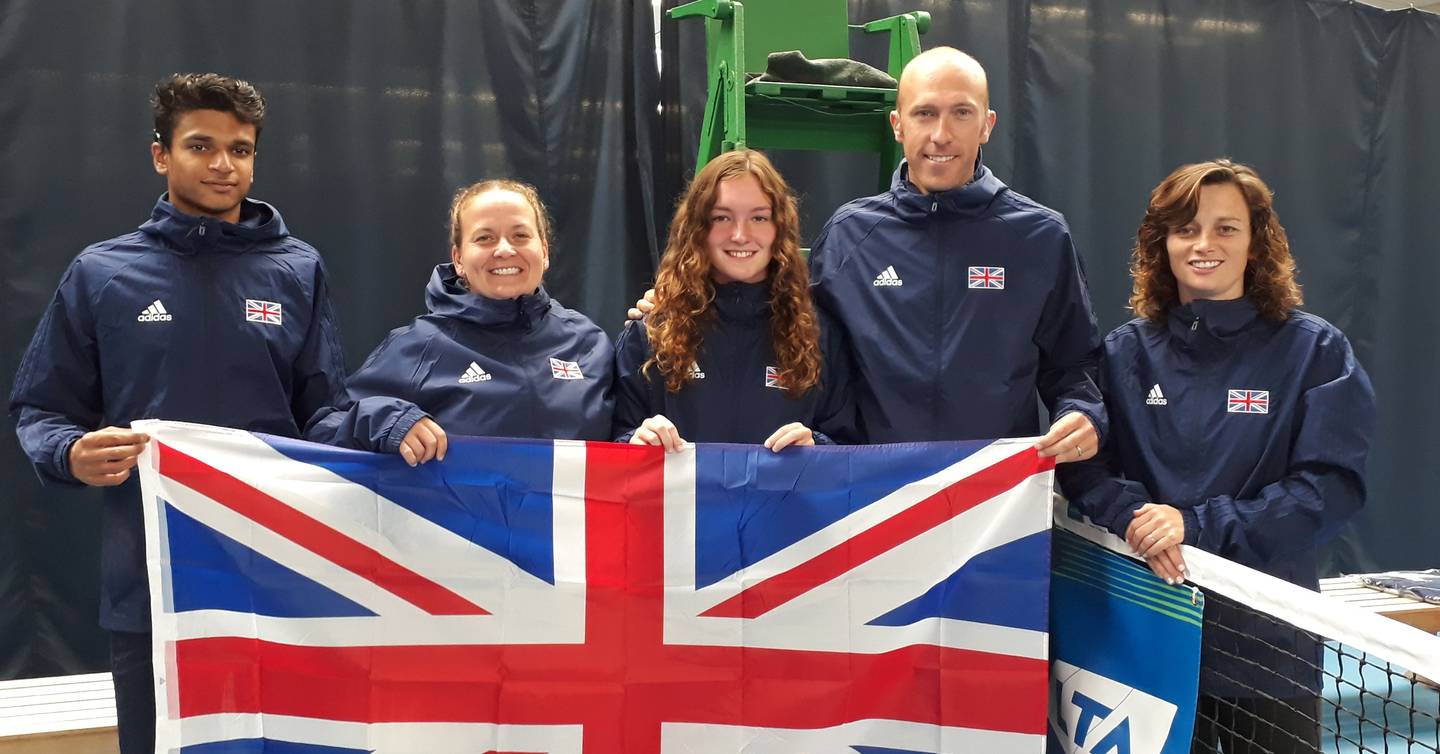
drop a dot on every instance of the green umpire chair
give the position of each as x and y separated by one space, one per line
743 110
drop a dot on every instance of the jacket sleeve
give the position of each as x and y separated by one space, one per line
835 420
1069 343
376 411
1100 490
319 372
1098 486
1325 483
821 262
57 396
632 390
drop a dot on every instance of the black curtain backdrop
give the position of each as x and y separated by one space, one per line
1334 103
381 109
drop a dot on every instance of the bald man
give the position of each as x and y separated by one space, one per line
964 301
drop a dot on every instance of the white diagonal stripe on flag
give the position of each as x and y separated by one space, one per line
844 602
541 611
236 526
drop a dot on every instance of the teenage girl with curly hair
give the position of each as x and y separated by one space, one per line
734 350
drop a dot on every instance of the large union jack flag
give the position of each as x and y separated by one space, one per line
568 597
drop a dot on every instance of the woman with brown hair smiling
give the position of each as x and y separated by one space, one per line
1239 425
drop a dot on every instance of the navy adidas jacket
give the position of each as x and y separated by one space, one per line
732 398
525 367
1257 431
959 307
171 322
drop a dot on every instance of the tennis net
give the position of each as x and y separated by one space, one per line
1285 669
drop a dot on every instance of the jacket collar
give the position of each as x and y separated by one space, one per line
1205 324
446 297
198 234
967 201
742 302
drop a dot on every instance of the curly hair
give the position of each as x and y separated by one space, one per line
1270 270
180 93
524 190
684 292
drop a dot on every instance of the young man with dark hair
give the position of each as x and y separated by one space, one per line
210 312
186 93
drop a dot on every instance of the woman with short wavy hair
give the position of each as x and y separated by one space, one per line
734 350
1268 278
1239 425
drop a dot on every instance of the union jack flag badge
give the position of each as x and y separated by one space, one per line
987 277
565 370
774 379
1247 402
264 312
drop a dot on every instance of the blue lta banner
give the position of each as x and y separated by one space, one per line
1125 651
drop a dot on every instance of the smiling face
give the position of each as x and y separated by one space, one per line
209 164
742 232
942 117
1208 255
501 253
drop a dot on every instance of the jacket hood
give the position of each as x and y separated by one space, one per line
968 201
196 234
445 296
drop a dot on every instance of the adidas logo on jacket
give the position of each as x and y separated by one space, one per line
888 277
154 313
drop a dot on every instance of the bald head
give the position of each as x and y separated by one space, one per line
942 115
949 59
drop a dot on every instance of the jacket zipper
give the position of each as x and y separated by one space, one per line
939 348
